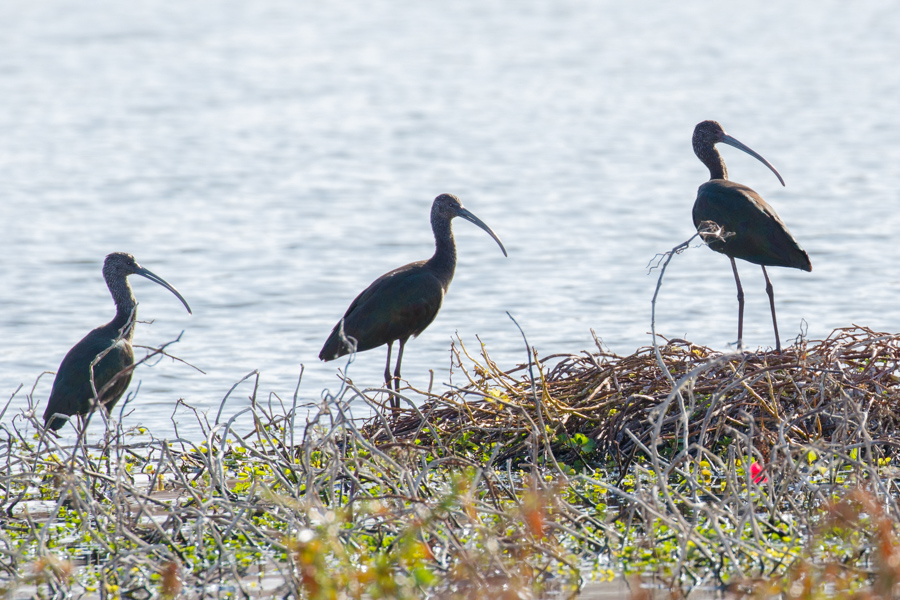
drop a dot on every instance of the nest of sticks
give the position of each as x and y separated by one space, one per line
601 407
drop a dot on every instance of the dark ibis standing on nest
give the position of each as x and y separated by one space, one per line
402 303
72 392
752 230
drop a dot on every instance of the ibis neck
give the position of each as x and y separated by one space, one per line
443 263
710 157
125 304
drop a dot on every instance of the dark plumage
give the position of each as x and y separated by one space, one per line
402 303
757 234
72 392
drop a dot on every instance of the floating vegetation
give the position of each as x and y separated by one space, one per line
757 474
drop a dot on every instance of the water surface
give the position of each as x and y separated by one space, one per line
270 159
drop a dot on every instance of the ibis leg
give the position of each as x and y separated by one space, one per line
396 401
771 292
387 367
737 280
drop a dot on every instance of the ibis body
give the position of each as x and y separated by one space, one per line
400 304
752 230
79 387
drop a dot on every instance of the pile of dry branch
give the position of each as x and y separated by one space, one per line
814 391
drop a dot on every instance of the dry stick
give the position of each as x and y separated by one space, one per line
664 407
13 395
226 427
277 469
662 263
663 473
548 451
242 380
361 439
185 484
423 420
294 406
426 420
708 231
160 350
751 450
379 414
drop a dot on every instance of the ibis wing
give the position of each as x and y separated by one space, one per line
759 234
398 305
72 393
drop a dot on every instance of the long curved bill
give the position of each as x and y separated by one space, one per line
727 139
157 279
468 216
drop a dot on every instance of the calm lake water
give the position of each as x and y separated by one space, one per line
271 158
